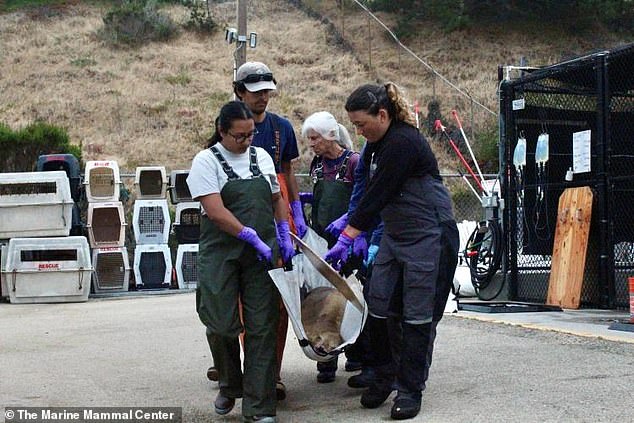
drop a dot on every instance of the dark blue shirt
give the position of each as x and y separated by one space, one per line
360 182
266 139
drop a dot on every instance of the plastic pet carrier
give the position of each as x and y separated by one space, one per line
151 221
152 266
102 181
106 224
67 163
179 190
4 291
187 222
35 204
150 182
112 269
186 266
47 270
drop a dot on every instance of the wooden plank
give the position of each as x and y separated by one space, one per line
570 246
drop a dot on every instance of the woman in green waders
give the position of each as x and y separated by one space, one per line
237 187
332 173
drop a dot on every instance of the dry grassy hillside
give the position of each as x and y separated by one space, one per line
155 105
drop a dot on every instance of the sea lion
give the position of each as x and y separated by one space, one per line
322 313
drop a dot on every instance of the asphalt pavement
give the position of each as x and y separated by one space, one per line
150 350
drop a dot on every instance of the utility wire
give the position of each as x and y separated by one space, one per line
427 65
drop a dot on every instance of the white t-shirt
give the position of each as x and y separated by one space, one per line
207 177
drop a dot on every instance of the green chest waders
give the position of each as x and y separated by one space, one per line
330 199
249 200
228 270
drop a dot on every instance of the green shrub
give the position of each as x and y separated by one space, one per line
486 149
136 22
200 18
21 148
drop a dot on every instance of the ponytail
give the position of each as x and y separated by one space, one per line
215 137
370 98
401 108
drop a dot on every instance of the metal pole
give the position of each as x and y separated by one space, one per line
606 255
369 44
508 188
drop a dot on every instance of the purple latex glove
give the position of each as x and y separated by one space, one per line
298 217
360 246
338 254
251 236
306 197
337 225
284 241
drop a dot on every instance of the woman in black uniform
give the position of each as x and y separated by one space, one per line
418 253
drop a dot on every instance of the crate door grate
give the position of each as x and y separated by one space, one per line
181 187
48 255
106 225
189 267
151 182
152 269
101 182
28 188
110 270
151 220
188 231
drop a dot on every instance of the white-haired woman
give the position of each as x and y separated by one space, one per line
332 172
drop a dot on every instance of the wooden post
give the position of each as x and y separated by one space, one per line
343 11
369 43
241 48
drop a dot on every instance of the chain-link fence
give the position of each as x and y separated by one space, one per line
593 93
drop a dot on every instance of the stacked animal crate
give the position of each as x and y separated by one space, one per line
40 262
151 224
69 164
186 228
106 224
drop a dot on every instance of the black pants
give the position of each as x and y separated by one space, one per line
418 339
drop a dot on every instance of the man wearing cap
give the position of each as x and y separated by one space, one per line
253 85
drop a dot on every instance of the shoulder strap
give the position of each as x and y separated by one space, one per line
225 166
317 166
253 162
277 137
344 166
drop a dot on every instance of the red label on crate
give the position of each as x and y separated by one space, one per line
47 266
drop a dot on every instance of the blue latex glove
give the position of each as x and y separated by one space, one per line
337 225
284 241
360 246
249 235
298 217
373 250
338 254
306 197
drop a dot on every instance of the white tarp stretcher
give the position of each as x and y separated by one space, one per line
304 278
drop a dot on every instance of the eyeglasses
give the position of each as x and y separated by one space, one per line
240 138
257 77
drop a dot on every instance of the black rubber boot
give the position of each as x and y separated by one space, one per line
382 385
406 406
380 388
